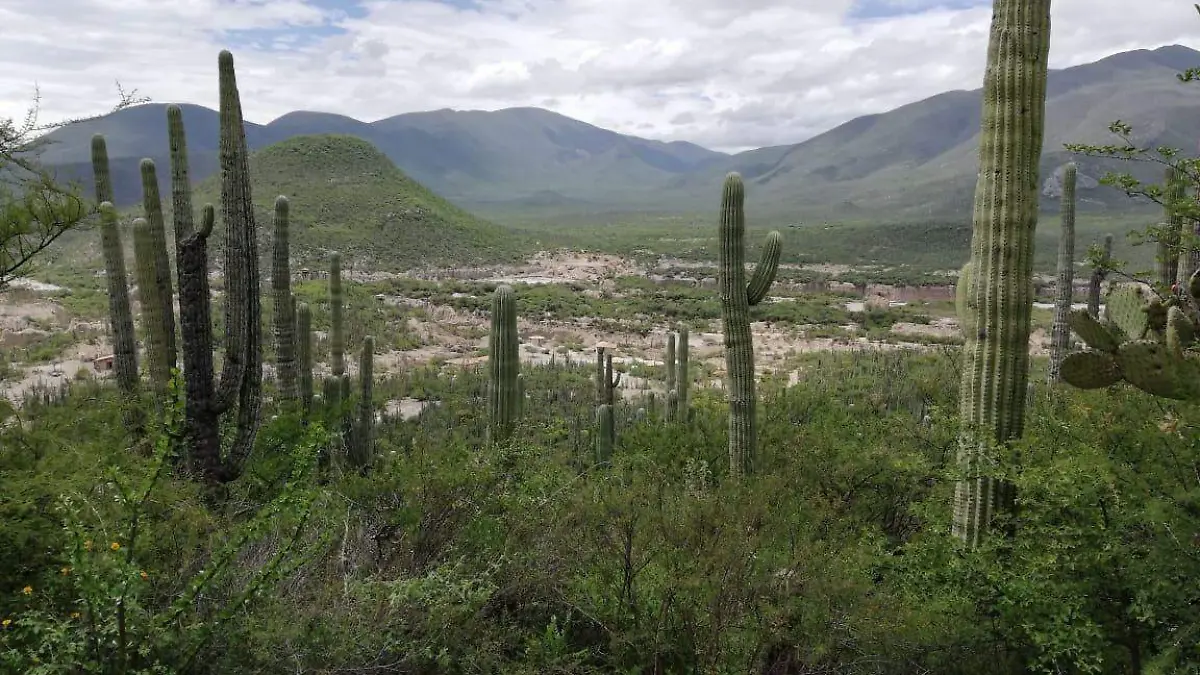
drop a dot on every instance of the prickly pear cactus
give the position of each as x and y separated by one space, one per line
1144 340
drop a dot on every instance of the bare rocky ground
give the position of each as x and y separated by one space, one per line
458 338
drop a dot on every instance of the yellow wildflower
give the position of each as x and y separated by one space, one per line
114 546
6 623
88 544
74 615
66 571
27 590
143 575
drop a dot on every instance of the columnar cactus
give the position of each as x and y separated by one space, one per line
669 366
100 172
120 314
605 434
153 323
736 298
164 292
337 339
1171 235
683 378
281 287
1060 337
238 391
503 365
1000 293
1098 275
304 354
363 439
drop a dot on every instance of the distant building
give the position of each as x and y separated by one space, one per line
103 363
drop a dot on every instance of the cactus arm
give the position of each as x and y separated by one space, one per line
304 354
164 292
120 311
764 272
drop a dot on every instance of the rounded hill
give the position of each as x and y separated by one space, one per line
346 195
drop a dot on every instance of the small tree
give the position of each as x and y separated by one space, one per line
35 208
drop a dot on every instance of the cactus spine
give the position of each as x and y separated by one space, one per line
362 446
1098 275
683 379
304 354
121 315
284 322
238 391
996 366
1060 339
337 339
503 365
736 299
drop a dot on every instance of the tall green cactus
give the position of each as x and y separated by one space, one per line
669 365
1060 335
1097 278
100 171
362 447
304 354
281 287
238 391
153 324
1171 235
736 298
164 292
683 378
120 313
503 365
337 336
1000 295
605 434
606 381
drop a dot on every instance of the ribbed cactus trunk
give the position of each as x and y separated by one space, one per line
165 292
669 366
363 444
1097 278
283 321
1060 336
683 378
304 354
153 324
1000 297
1171 236
736 298
119 309
606 434
100 171
337 336
503 365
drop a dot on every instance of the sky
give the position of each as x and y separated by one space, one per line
726 74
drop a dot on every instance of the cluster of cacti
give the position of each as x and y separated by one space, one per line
120 309
504 366
737 296
997 292
607 381
281 288
1144 340
1098 275
1060 336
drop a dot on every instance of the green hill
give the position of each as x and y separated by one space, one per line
347 196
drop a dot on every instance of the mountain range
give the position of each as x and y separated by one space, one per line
915 162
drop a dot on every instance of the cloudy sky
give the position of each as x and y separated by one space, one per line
728 74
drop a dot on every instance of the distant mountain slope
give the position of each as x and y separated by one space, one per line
921 159
917 161
345 195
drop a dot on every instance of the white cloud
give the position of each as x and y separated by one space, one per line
726 75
